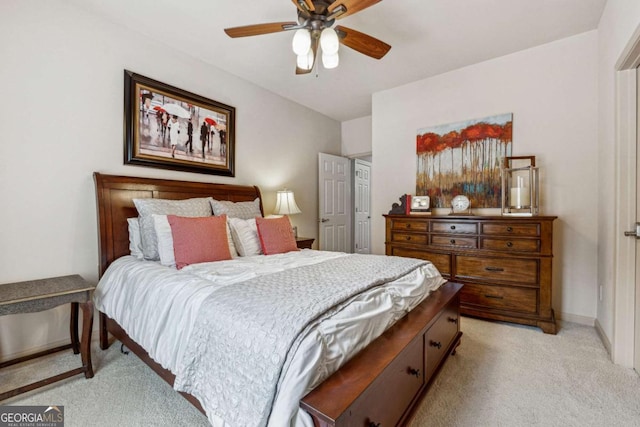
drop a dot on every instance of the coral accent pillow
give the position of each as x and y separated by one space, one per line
200 239
276 235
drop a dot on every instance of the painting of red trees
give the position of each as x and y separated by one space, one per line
463 158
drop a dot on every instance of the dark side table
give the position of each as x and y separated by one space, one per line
304 242
44 294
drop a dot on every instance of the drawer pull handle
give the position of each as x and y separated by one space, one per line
509 229
408 237
497 269
509 244
453 227
436 344
452 319
373 424
408 225
452 241
414 372
494 296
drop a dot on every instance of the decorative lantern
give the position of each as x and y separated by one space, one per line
520 186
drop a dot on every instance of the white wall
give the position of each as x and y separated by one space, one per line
552 92
61 79
356 137
619 20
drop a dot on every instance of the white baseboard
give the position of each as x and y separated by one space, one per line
576 318
587 321
27 352
32 350
603 337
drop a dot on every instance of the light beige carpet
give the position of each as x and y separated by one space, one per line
502 375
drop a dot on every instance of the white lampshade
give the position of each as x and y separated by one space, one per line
305 61
286 203
301 41
329 41
330 60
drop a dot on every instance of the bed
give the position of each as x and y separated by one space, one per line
404 351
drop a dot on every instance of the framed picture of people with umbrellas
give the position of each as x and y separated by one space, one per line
170 128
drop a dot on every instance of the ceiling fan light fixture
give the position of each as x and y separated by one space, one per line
305 61
329 41
301 41
330 60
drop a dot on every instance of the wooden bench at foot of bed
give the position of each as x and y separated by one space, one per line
383 384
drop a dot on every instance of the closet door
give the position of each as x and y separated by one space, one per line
362 207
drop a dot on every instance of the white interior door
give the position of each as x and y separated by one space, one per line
362 207
334 179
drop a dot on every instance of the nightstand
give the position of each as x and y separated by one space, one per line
44 294
304 242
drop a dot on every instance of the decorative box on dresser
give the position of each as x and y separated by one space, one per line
503 261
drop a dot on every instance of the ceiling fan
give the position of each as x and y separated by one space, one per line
314 29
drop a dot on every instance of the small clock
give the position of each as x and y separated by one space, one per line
460 204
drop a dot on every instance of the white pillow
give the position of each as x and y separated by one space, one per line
165 240
148 207
135 242
242 210
245 236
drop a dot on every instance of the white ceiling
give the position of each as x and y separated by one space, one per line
428 37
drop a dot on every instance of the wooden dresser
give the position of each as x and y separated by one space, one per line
504 262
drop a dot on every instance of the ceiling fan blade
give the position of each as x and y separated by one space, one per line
314 47
361 42
352 6
258 29
304 5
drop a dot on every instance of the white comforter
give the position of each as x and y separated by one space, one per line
157 307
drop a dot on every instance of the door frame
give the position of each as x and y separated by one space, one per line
626 126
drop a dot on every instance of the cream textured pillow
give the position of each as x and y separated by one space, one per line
242 210
147 207
245 236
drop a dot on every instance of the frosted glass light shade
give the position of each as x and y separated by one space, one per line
329 41
305 61
301 41
286 203
330 61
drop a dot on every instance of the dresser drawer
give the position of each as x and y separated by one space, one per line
454 227
454 241
389 396
515 245
439 337
500 297
418 239
441 261
410 224
522 271
532 230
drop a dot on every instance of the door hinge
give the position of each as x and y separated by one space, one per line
635 233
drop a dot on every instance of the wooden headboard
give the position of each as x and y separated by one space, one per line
115 194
